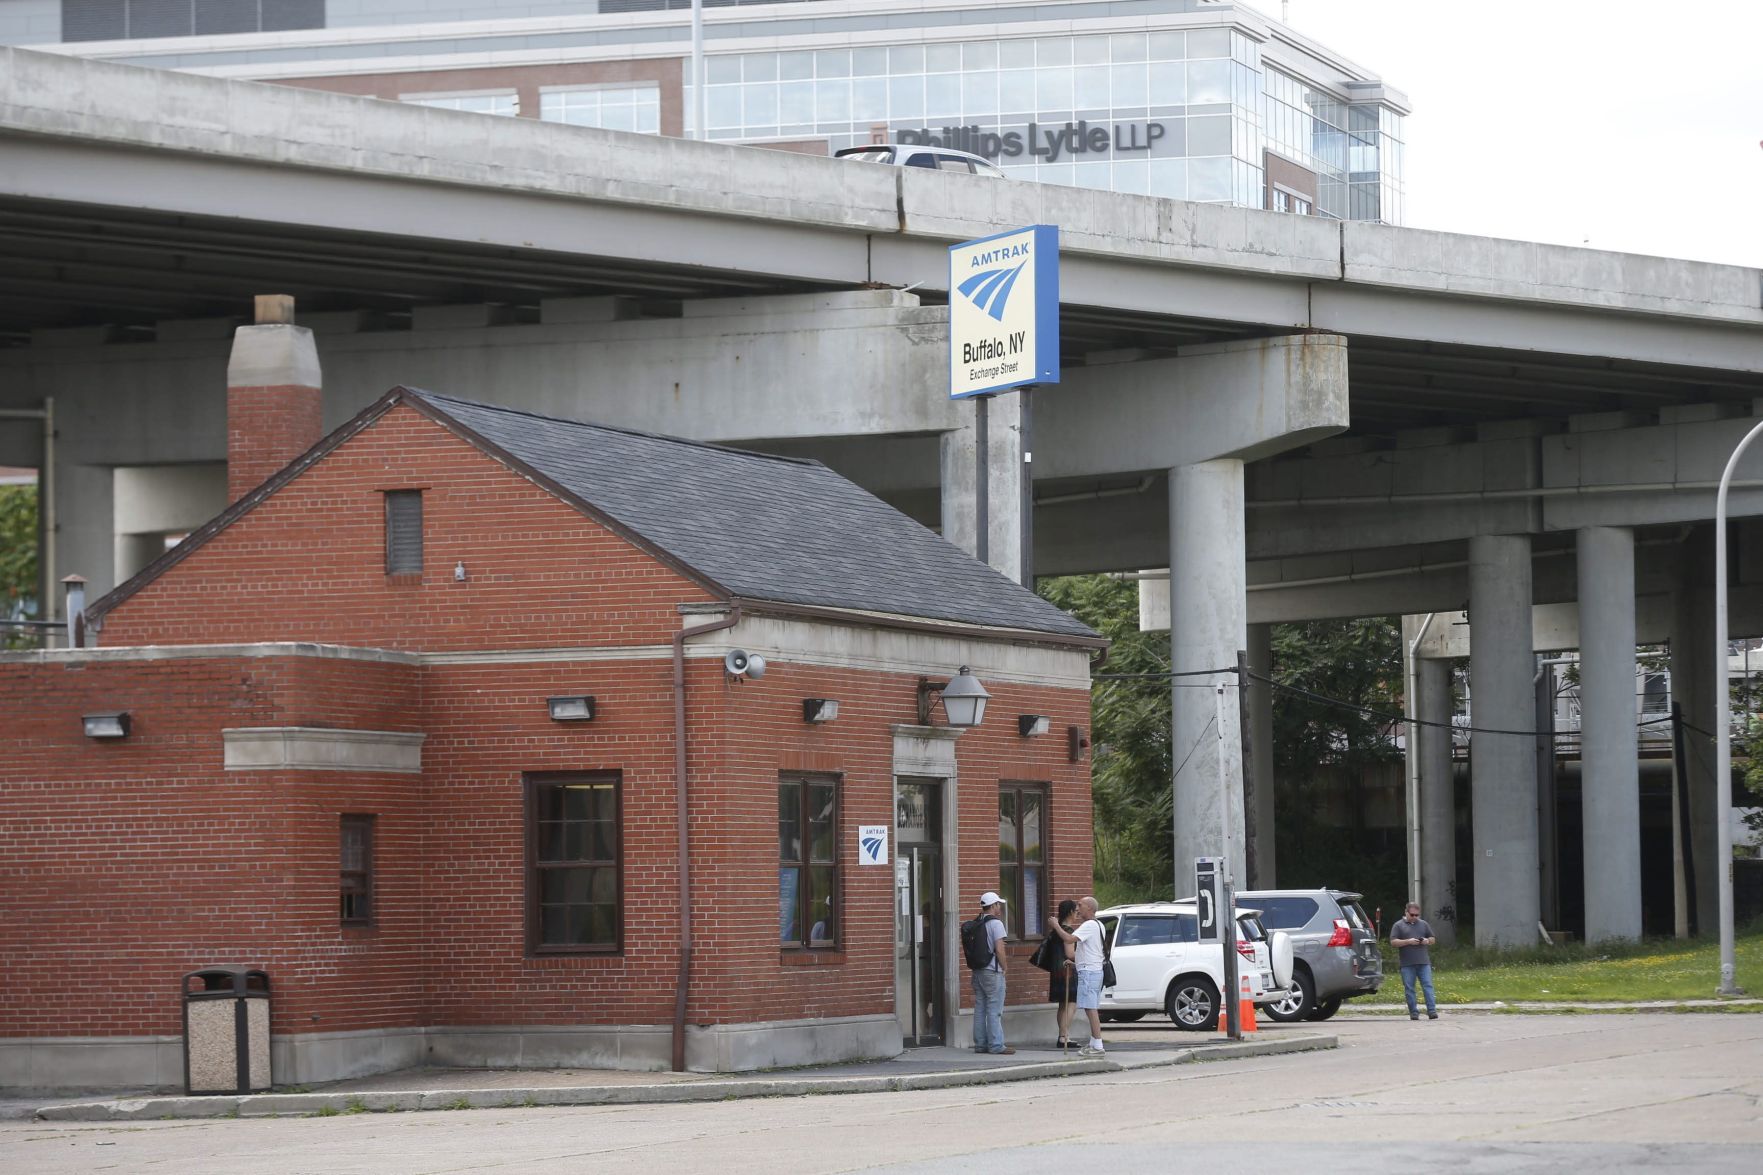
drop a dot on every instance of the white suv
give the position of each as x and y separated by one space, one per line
1159 965
933 158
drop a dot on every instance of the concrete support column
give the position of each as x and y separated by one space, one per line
1692 687
1502 670
1208 623
1610 772
1258 803
1438 798
1006 473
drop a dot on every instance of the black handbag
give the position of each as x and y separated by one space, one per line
1050 955
1108 979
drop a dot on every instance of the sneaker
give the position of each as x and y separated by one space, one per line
1414 1015
1432 1015
1087 1051
1006 1051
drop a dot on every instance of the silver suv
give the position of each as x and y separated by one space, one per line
1334 948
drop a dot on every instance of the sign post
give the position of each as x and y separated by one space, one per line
1213 893
1004 335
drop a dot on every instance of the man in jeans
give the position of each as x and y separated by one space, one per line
988 982
1411 936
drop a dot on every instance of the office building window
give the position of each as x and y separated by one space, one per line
614 108
808 861
117 20
503 102
1022 856
573 855
355 883
1284 201
403 532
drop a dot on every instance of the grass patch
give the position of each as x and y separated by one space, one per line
326 1112
1652 969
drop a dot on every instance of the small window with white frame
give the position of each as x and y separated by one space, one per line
634 107
501 102
1285 200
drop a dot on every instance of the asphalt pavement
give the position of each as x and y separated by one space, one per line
1472 1092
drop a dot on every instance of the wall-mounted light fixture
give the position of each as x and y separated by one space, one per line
964 699
1076 743
571 708
1029 725
819 709
106 724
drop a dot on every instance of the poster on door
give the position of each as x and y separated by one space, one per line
872 844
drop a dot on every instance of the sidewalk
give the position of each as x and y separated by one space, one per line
459 1089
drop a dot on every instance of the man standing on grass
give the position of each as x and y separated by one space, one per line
1411 936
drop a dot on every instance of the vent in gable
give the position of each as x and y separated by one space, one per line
403 532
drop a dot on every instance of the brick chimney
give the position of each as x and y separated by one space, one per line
274 399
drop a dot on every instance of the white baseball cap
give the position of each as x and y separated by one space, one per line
989 898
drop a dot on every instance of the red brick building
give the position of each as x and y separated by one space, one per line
404 729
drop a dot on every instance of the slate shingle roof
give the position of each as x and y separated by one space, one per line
761 527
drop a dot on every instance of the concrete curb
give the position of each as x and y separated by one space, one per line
1547 1007
271 1105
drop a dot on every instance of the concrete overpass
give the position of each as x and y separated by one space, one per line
1306 418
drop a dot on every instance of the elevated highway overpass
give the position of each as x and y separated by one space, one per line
1306 418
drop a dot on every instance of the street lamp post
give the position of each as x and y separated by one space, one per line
1723 726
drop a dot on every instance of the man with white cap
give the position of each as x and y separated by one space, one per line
981 941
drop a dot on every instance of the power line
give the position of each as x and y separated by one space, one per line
1342 703
1162 674
1198 743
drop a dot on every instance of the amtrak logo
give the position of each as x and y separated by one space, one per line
872 847
990 289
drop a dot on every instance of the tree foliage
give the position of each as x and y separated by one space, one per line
18 557
1316 745
1322 747
1130 733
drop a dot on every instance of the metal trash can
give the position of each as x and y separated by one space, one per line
226 1030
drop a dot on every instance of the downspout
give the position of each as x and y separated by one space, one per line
681 802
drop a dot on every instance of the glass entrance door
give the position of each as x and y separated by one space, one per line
918 911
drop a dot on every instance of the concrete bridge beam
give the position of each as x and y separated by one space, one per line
1438 798
1610 775
1693 688
1503 774
1230 403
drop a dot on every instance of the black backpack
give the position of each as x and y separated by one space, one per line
976 944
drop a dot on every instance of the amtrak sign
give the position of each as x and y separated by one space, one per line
1004 311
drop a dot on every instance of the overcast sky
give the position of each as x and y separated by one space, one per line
1615 124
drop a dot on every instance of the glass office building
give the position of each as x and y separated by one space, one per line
1205 100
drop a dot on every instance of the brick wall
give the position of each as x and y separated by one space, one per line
267 427
125 864
525 81
308 563
129 863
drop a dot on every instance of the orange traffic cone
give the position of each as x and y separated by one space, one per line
1245 1012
